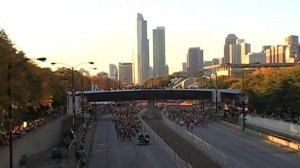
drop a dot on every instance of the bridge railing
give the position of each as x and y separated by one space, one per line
215 154
173 155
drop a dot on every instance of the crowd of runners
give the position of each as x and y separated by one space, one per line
189 116
126 120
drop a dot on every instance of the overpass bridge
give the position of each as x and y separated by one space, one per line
150 95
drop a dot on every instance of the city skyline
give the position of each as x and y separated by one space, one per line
105 32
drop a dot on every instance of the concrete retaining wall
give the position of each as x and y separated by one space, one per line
276 125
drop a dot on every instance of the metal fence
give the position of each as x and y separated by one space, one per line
213 153
173 155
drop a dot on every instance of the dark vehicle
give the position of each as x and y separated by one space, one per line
143 139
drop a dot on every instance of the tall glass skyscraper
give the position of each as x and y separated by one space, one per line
141 64
159 52
194 61
230 40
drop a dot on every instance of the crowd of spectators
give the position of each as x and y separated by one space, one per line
126 120
20 130
188 116
235 111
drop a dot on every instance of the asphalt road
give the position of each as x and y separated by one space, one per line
109 152
250 150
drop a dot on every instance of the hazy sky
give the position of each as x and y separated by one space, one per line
104 31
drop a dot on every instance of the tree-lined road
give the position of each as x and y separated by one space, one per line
110 152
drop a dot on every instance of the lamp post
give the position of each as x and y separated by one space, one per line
73 87
10 123
243 97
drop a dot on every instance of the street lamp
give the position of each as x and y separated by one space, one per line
243 98
11 66
73 86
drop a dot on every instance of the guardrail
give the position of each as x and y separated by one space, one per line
213 153
173 155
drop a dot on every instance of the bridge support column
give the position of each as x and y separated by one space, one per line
152 112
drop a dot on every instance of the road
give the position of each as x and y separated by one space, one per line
250 150
109 152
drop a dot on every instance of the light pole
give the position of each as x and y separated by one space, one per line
243 98
73 87
11 66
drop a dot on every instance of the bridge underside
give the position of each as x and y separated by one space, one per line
127 95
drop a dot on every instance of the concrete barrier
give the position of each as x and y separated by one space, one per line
276 125
283 142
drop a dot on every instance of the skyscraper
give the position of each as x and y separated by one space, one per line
245 49
141 66
293 51
159 53
113 72
194 60
230 40
235 53
184 67
125 73
166 70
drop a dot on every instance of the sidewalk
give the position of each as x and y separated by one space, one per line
86 136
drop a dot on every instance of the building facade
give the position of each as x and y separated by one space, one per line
194 61
229 40
293 49
159 52
253 58
184 67
245 49
235 53
141 64
125 73
287 53
113 71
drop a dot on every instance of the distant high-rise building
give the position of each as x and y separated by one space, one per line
240 41
113 72
194 60
141 64
167 70
287 53
184 67
125 73
245 49
292 51
253 58
230 40
159 52
208 63
281 51
235 53
216 61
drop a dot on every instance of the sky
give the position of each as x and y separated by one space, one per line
104 31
